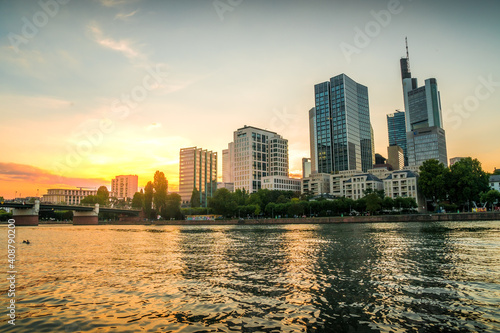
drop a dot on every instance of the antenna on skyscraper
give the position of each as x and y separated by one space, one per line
407 53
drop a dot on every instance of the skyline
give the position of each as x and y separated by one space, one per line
201 71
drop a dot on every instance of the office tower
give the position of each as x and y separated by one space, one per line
228 164
396 126
342 128
306 167
125 186
396 157
425 136
197 170
258 153
313 139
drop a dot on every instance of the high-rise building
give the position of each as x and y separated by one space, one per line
197 170
395 157
228 164
341 127
313 140
425 136
258 153
125 186
396 126
306 167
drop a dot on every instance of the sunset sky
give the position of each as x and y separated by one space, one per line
94 89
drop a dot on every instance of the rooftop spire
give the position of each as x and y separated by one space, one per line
407 54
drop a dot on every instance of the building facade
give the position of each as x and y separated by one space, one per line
281 183
396 126
425 136
355 187
258 153
197 170
396 157
404 183
306 167
67 196
340 126
228 164
495 182
124 186
316 184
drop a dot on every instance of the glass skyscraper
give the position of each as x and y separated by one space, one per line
341 125
425 136
396 125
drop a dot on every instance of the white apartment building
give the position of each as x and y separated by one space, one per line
258 153
316 184
281 183
355 186
495 182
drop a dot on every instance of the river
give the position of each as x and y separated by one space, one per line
363 277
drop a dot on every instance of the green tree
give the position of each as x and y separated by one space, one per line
432 180
172 209
466 181
223 202
148 200
195 198
496 172
388 203
373 202
490 197
160 186
89 200
102 196
138 200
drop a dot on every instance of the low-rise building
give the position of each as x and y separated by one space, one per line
281 183
495 182
404 183
354 187
316 184
67 196
226 185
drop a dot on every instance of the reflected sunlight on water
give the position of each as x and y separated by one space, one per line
275 278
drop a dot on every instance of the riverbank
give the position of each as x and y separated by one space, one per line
486 216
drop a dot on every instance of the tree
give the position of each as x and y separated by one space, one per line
466 181
172 208
89 200
195 198
373 202
490 197
148 199
496 172
160 186
222 202
138 200
102 196
432 180
388 203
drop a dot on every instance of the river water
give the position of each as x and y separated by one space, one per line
380 277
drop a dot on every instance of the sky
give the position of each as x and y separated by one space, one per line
94 89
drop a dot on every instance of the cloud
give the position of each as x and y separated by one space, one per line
124 16
123 46
153 126
14 172
115 3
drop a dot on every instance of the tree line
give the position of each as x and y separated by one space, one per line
457 187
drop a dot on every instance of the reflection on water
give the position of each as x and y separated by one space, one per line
282 278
